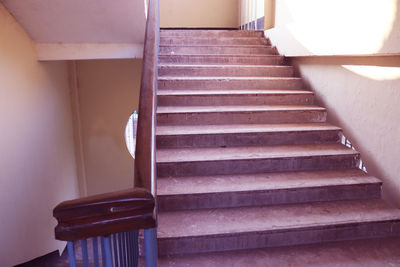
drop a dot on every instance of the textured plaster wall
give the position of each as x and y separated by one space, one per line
362 95
336 27
37 163
199 14
108 92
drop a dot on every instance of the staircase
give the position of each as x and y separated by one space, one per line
246 160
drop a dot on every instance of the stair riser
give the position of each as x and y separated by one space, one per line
248 139
255 99
210 33
176 71
213 41
217 60
218 118
269 197
278 238
199 50
247 166
277 83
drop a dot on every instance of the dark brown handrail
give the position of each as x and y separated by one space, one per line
145 158
132 209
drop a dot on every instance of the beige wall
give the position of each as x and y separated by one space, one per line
199 14
37 164
362 96
269 13
108 92
336 27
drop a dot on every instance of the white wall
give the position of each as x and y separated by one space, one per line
37 163
108 92
336 27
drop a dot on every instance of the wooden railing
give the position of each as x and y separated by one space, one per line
115 218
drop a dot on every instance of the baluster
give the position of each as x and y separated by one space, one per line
106 251
115 249
125 263
71 254
120 249
135 235
95 252
150 247
85 253
128 249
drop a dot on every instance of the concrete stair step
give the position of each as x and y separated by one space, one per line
183 40
254 159
233 97
167 82
216 49
260 114
245 135
209 33
233 59
195 231
222 191
225 70
374 252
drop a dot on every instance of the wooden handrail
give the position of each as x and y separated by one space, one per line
145 158
104 214
133 209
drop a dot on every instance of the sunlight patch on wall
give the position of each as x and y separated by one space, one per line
343 26
375 72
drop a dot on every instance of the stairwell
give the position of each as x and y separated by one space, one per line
246 160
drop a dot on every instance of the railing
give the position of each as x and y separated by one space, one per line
111 222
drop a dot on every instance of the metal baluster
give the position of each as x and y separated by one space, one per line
85 253
128 249
106 251
95 252
115 249
71 254
135 235
125 263
120 249
150 247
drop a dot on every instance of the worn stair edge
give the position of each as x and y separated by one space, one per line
179 40
265 189
210 33
259 138
225 70
220 98
222 59
230 83
240 228
217 49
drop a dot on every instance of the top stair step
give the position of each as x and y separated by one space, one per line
180 40
210 33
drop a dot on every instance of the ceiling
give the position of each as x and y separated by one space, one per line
80 21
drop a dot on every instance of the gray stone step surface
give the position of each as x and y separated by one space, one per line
179 136
217 49
233 59
206 230
221 191
260 114
224 97
276 83
209 33
224 70
179 40
253 159
377 252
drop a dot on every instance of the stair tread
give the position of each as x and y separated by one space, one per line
237 108
224 78
228 221
242 128
250 153
216 45
359 253
222 66
261 181
231 92
220 55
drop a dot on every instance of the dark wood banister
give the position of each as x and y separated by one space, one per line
132 209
